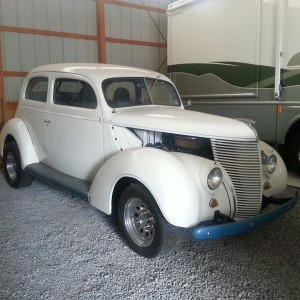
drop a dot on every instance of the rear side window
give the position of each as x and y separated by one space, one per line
72 92
37 89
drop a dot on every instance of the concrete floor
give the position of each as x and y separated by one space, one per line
55 246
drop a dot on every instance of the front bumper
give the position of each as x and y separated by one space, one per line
239 227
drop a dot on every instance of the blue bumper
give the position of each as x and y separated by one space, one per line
239 227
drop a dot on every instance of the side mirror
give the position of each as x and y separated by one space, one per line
188 105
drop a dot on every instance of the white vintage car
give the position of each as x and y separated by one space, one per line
120 138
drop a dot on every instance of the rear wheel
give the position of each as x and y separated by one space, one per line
294 154
14 174
142 224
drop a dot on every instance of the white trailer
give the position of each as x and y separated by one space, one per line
241 59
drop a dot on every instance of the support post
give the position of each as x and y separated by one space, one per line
2 104
101 31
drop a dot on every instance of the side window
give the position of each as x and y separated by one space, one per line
37 89
72 92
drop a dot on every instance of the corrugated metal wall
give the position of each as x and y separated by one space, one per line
23 51
137 25
37 32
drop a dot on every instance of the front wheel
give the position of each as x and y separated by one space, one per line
294 154
14 174
142 224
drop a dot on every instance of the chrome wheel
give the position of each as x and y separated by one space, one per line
11 166
139 222
13 172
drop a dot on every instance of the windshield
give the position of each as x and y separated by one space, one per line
124 92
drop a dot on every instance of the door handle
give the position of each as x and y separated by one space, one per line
47 121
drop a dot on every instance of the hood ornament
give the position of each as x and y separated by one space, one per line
249 123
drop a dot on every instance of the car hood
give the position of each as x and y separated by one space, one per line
181 121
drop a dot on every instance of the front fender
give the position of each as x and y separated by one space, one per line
172 178
16 128
278 179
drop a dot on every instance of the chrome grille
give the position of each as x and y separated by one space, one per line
241 162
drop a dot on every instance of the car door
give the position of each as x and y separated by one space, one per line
32 110
75 131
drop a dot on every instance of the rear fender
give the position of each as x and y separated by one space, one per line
17 129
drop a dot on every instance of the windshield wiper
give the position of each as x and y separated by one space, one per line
153 84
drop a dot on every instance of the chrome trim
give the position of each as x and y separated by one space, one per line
210 96
232 211
241 160
242 102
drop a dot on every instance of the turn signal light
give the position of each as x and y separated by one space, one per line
279 108
267 185
213 203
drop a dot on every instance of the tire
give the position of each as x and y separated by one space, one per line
14 174
142 223
294 154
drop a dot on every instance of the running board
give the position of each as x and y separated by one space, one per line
47 174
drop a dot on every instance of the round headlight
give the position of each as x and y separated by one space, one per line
214 178
271 164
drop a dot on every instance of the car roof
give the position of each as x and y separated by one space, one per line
93 70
